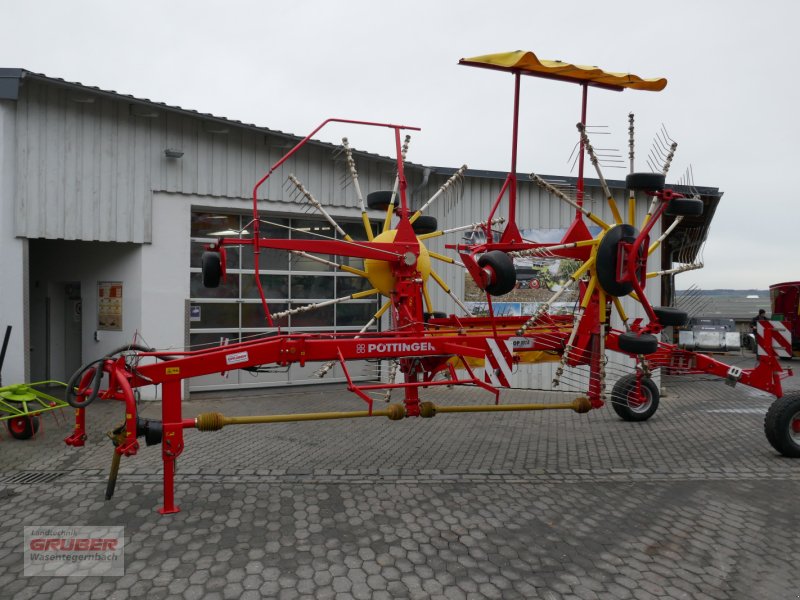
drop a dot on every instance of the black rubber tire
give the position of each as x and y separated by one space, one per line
669 316
211 265
380 200
749 342
778 425
645 182
23 428
425 224
504 276
685 207
633 343
606 259
622 394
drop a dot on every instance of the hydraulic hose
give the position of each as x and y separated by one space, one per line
94 374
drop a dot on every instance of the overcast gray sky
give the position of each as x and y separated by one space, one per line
730 103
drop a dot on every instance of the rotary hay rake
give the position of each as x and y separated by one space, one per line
22 404
430 349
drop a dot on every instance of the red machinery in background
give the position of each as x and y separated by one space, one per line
431 350
785 305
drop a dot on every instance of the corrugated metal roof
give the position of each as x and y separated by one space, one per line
7 84
734 305
9 91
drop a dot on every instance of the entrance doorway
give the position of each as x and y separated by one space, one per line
73 320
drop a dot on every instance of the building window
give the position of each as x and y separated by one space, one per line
233 311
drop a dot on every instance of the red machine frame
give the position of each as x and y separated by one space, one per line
429 352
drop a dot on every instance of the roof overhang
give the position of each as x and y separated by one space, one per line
686 241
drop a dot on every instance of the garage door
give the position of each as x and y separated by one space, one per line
232 312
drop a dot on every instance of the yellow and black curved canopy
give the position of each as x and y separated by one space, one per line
527 63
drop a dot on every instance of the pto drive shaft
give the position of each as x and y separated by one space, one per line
215 421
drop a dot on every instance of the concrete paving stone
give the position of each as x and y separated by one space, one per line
193 592
561 587
397 589
678 594
404 565
341 584
361 591
26 594
585 593
269 588
356 575
619 591
288 594
199 577
232 590
142 588
641 594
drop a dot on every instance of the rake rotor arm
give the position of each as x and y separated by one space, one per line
593 158
277 165
374 250
562 196
766 376
455 177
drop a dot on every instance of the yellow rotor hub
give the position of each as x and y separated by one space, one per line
379 272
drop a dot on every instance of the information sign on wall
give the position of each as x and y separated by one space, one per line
109 305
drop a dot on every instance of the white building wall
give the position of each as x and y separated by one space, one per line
13 299
54 263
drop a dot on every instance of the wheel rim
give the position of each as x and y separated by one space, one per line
17 425
794 428
639 403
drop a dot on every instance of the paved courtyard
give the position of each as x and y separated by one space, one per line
692 504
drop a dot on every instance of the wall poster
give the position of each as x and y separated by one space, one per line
109 305
538 278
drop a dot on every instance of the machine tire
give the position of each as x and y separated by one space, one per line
749 342
606 259
504 276
425 224
629 408
669 316
633 343
645 182
685 207
380 200
782 425
23 428
212 269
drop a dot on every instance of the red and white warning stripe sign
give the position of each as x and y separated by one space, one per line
781 344
497 362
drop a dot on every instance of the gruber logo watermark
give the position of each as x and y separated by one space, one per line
395 347
61 551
